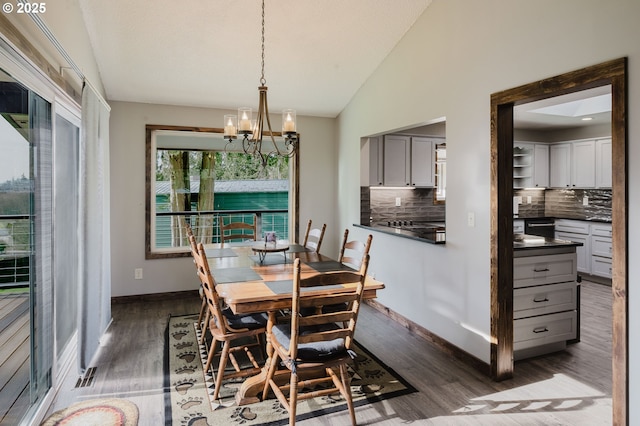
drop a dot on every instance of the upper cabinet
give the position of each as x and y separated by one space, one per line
603 163
423 162
397 160
560 165
581 164
409 161
530 165
376 165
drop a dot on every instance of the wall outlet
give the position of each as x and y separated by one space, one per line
585 201
137 273
528 199
398 201
471 219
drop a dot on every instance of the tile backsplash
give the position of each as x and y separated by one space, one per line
566 203
379 205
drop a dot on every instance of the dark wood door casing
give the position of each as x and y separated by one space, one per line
502 103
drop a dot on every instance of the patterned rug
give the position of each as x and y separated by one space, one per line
96 412
188 390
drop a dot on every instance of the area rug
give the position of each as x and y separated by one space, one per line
188 389
96 412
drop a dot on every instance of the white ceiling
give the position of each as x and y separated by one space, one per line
566 111
207 52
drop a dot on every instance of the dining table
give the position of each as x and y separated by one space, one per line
249 282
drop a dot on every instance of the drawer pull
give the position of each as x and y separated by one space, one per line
542 329
535 300
541 270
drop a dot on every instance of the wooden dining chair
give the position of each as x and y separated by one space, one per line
316 343
313 237
352 253
203 315
238 230
229 329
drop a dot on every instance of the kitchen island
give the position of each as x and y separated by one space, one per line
546 295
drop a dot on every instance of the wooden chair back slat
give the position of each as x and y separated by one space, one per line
344 321
248 230
352 253
313 237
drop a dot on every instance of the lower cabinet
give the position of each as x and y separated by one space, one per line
546 303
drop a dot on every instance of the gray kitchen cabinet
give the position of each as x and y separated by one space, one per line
577 231
580 164
530 165
545 302
603 163
409 161
601 250
583 164
376 162
397 160
560 165
423 162
540 165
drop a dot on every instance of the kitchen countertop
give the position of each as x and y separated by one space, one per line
593 219
534 242
434 235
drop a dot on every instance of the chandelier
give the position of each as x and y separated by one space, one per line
253 131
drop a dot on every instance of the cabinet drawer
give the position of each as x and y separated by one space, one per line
545 299
601 266
601 229
573 226
547 269
544 329
601 246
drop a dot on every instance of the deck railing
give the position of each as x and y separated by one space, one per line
15 250
267 221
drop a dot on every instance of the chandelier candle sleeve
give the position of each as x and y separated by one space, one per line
245 119
230 127
289 121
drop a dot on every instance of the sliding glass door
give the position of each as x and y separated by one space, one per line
39 163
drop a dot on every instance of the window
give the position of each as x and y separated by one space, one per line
199 179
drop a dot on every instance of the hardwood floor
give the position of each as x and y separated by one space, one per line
572 387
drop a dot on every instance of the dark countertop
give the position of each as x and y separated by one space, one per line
434 236
593 219
532 242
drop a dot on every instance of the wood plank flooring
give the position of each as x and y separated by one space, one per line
572 387
14 357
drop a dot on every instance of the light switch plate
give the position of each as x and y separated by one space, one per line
585 201
471 219
398 201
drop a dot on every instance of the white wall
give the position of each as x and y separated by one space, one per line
127 127
457 54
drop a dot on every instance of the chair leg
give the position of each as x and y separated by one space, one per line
346 384
204 327
273 361
293 398
221 367
203 309
212 352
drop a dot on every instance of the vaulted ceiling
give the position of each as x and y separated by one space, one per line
207 52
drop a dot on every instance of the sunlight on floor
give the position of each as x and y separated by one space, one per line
560 393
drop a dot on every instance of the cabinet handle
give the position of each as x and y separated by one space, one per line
542 329
546 299
541 270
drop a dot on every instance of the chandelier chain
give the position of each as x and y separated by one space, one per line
262 79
